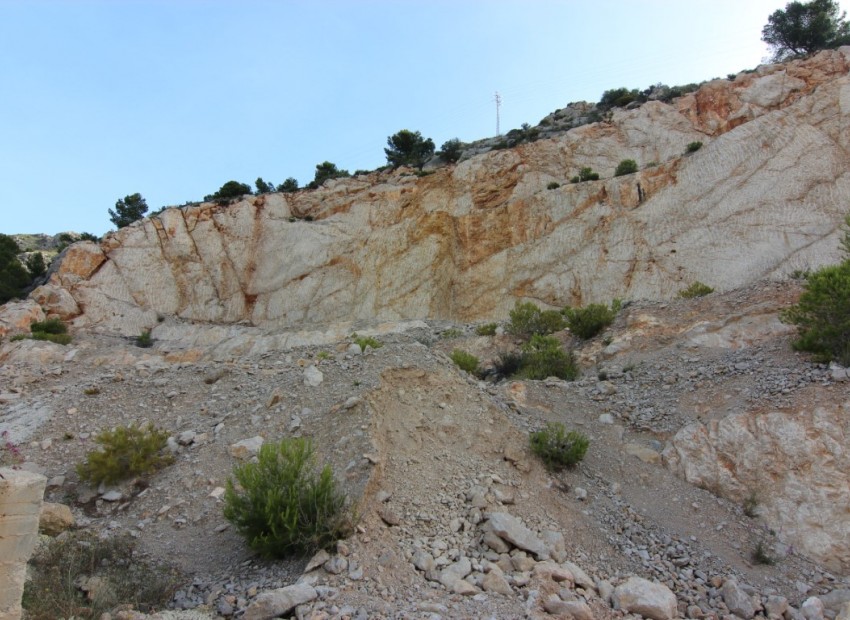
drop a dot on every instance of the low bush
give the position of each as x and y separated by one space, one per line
54 338
587 174
543 357
284 507
553 185
80 575
822 314
50 326
451 333
587 322
527 319
10 453
366 341
697 289
144 339
627 166
124 452
488 329
762 556
465 361
693 147
557 448
508 364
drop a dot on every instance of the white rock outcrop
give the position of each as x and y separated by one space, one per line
796 463
763 197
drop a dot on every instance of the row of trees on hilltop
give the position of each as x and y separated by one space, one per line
801 28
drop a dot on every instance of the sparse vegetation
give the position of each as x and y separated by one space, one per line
451 150
465 361
128 210
557 448
228 191
323 355
822 314
627 166
693 147
325 171
697 289
587 322
284 507
451 333
544 357
527 319
52 330
124 452
408 148
92 391
10 453
144 340
366 341
81 575
751 504
488 329
13 276
508 364
553 185
762 556
585 174
289 185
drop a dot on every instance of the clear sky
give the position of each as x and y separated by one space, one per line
172 98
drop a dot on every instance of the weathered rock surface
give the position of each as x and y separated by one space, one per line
795 463
275 603
647 598
765 196
54 518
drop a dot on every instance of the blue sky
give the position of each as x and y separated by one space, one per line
172 98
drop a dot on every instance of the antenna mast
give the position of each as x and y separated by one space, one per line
498 100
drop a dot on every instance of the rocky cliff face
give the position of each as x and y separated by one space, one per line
763 197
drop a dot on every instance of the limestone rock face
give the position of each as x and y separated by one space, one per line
795 462
763 197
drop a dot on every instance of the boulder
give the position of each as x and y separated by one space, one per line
275 603
647 598
55 519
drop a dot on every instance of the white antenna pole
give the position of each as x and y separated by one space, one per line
498 100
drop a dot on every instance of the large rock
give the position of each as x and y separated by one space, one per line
17 316
469 240
55 519
275 603
511 529
647 598
795 461
737 600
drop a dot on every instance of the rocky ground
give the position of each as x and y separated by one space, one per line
457 518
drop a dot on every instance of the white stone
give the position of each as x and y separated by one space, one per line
512 530
313 377
246 448
275 603
647 598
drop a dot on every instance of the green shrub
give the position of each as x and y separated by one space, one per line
587 174
589 321
289 185
465 361
62 339
127 210
575 179
144 340
557 448
408 148
36 265
822 315
627 166
762 556
543 357
366 341
527 319
693 147
124 452
231 189
451 333
451 150
488 329
553 185
508 364
50 326
284 507
13 276
114 572
697 289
